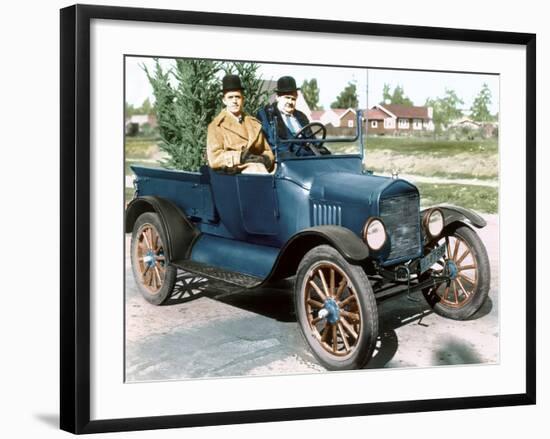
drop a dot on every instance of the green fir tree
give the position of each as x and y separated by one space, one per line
347 98
187 97
146 107
185 109
310 91
386 95
480 107
398 96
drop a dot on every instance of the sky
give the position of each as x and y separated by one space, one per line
418 85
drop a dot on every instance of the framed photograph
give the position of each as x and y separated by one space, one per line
283 218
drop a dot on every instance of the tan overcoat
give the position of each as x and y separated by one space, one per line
227 138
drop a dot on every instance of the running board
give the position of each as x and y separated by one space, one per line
219 274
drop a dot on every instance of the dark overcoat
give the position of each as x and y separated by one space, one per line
267 116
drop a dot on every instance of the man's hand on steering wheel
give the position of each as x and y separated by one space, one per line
316 146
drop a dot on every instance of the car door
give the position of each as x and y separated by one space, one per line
258 203
246 204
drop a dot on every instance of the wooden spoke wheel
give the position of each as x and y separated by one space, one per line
154 276
332 308
336 309
465 268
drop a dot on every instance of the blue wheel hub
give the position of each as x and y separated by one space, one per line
452 269
149 258
333 311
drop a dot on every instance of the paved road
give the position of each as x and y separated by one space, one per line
209 330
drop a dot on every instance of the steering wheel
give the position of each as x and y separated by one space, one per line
314 145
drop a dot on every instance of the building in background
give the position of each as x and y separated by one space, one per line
399 119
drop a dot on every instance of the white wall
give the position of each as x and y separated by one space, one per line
30 221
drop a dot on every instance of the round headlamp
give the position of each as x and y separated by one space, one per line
435 223
374 234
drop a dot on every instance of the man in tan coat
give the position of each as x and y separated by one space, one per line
235 140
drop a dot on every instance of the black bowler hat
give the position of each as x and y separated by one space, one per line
286 84
231 83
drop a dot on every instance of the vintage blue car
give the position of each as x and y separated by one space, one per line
346 235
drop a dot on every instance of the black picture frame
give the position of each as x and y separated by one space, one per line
75 217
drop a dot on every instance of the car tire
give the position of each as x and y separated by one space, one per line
343 336
154 276
467 263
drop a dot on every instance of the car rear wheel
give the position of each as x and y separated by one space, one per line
336 309
155 278
466 267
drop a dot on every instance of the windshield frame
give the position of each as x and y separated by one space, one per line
359 136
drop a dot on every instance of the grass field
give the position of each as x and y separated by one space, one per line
430 146
141 147
465 165
479 198
426 157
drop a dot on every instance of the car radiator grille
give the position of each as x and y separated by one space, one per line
401 215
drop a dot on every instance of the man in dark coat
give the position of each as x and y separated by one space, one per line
289 119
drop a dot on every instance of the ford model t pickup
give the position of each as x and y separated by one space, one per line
344 233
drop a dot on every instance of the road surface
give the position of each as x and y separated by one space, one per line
210 330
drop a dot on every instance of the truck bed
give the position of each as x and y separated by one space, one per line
190 191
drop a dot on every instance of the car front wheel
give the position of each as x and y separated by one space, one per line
465 268
336 309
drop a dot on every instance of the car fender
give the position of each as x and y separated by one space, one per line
179 231
456 214
348 244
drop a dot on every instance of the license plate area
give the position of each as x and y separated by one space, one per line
435 255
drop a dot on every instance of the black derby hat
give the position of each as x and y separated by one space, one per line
286 84
231 83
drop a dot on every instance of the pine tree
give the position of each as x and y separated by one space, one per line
129 109
347 98
165 96
398 96
480 107
188 96
185 110
310 91
386 95
146 107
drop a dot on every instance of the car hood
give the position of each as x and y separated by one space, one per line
348 188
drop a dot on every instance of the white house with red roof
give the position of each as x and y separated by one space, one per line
336 117
327 117
382 119
397 119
